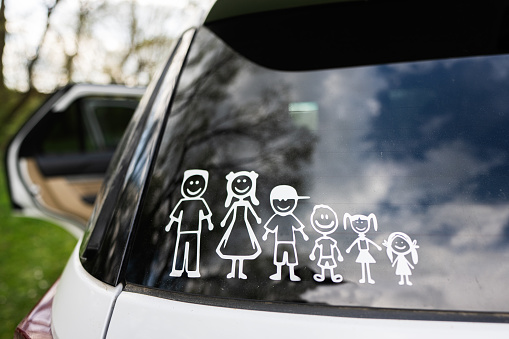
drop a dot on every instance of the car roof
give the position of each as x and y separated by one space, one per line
224 9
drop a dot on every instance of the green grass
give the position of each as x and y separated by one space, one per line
32 256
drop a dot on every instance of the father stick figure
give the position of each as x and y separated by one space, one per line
284 224
189 214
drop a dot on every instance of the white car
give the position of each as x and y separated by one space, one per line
306 169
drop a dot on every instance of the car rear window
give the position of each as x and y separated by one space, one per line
373 186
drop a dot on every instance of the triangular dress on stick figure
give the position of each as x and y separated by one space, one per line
325 221
284 224
239 242
361 224
189 214
400 245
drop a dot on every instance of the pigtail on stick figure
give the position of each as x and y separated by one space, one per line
284 225
239 242
189 214
361 224
400 245
325 221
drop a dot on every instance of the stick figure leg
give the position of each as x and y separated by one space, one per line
277 275
363 269
371 281
320 277
232 273
241 266
293 276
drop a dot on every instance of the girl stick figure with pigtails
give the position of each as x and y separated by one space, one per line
239 242
361 225
400 244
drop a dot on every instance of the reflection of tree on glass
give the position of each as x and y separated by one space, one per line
189 214
400 244
361 225
239 242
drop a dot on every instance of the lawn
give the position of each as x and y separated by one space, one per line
32 256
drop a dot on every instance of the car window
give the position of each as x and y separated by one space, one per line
87 125
375 186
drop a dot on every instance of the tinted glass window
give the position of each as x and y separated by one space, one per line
379 186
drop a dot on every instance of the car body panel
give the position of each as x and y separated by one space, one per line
162 317
82 305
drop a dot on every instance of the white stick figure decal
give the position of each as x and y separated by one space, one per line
325 221
241 186
284 224
189 214
400 244
361 225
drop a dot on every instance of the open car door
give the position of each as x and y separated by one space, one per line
56 162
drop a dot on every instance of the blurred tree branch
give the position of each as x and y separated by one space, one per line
19 100
3 33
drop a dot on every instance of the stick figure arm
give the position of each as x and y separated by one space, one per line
172 220
208 218
374 244
352 245
340 257
258 219
301 229
312 254
268 228
223 222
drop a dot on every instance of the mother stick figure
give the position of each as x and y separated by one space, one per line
361 225
400 244
239 241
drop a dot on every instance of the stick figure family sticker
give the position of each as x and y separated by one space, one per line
239 242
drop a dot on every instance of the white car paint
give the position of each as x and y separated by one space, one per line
82 305
142 316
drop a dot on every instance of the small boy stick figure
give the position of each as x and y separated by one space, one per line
400 244
239 242
361 225
325 221
284 224
189 214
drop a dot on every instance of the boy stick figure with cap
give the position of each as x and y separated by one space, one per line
189 214
284 224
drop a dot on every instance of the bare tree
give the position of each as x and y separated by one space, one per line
3 33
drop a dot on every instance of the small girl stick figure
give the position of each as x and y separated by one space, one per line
325 221
239 242
361 225
400 244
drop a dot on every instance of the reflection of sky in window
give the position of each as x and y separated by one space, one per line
424 147
421 145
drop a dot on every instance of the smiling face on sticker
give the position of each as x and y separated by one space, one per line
194 186
284 206
400 245
323 219
360 225
242 185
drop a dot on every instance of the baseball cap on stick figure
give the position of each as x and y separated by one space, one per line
283 199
